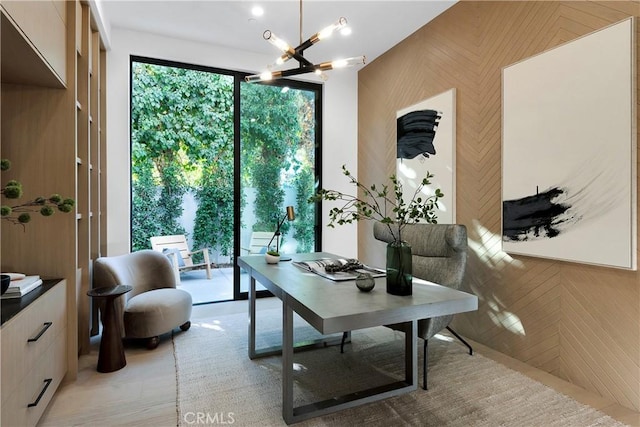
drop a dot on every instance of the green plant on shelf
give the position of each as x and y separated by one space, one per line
20 213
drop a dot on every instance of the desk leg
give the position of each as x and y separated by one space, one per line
292 414
411 354
287 361
252 318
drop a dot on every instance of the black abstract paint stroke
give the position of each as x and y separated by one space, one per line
416 131
534 216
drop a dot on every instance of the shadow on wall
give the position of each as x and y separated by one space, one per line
488 265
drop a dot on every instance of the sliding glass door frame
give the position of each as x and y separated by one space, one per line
292 84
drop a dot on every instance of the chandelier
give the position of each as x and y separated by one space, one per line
304 65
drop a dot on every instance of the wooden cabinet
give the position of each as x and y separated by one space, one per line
34 346
43 27
53 134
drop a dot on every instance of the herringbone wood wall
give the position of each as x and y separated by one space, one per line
578 322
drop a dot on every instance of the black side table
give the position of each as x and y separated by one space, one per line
111 355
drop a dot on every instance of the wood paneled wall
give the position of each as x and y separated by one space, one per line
578 322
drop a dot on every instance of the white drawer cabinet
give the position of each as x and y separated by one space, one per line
33 357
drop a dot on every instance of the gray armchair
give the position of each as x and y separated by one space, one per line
154 306
439 255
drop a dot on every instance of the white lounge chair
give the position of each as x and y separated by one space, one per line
177 249
259 241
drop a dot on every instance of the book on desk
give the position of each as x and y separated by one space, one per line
20 287
338 269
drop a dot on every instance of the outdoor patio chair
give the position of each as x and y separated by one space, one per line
258 243
177 249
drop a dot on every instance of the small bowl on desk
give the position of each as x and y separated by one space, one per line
272 257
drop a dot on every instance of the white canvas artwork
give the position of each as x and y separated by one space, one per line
426 142
569 151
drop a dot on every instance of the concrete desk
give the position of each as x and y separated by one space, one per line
332 307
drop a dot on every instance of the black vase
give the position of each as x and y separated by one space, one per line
399 268
6 280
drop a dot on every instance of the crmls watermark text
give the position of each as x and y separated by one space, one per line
209 418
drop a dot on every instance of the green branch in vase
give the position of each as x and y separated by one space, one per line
384 203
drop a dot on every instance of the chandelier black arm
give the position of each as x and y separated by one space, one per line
310 42
302 60
300 70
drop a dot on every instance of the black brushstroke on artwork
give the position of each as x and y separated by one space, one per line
533 216
416 131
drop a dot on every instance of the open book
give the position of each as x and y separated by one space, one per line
338 269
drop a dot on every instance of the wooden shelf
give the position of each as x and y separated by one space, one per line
72 116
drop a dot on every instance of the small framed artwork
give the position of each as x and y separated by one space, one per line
426 142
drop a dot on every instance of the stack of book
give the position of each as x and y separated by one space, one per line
20 287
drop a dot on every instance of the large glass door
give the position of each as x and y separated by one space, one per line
219 161
279 168
182 168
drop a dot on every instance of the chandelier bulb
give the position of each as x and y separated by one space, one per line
282 59
266 76
328 31
277 42
349 62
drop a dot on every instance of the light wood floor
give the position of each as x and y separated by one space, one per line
143 393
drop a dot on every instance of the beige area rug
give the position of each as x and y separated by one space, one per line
219 384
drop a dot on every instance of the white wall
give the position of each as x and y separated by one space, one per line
339 125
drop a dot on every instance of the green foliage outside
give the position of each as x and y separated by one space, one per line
304 232
305 177
214 218
270 133
144 222
182 140
181 119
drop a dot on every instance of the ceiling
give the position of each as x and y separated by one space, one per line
377 25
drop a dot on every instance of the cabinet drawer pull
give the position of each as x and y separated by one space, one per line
45 326
47 382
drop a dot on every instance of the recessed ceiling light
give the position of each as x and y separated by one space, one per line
257 11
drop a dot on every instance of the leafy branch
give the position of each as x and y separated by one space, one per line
383 203
21 213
